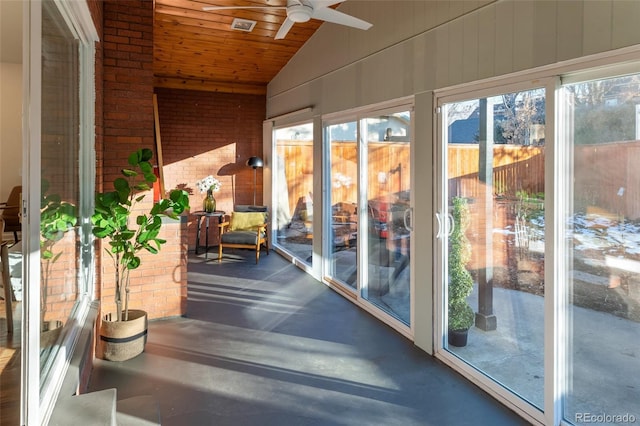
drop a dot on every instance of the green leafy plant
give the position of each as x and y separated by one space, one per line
111 221
460 314
57 217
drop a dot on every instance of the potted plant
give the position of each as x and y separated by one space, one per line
209 185
57 217
123 335
460 314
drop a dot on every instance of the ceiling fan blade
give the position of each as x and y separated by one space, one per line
325 3
332 15
209 8
284 29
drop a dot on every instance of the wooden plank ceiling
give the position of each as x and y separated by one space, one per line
198 50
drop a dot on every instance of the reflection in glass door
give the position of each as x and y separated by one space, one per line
293 189
603 346
386 280
342 199
493 274
60 183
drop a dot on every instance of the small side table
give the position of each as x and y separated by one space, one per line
206 216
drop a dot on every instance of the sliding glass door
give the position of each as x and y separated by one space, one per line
368 209
342 201
602 141
539 247
492 230
58 187
293 189
386 279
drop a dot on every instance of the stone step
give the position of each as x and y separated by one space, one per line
93 408
138 411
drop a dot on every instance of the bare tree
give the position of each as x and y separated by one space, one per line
521 111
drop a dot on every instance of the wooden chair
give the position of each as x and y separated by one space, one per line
10 212
247 228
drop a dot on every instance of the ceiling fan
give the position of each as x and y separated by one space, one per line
299 11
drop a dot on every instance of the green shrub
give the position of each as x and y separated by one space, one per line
460 314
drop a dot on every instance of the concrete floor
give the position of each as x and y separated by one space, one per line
268 345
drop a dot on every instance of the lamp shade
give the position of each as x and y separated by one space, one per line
255 162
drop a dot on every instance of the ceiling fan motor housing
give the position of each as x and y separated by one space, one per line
299 12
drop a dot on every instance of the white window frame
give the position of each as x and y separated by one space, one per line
526 410
357 115
273 233
40 391
557 161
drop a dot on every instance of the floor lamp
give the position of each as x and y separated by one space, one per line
254 162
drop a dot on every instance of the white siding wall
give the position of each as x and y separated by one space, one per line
421 45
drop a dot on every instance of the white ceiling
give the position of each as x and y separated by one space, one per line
11 31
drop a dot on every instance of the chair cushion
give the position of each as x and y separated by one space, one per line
249 208
249 220
240 237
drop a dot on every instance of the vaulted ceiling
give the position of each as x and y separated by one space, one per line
198 50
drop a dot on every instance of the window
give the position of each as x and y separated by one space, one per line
60 182
342 203
386 139
602 139
293 189
368 209
538 248
493 278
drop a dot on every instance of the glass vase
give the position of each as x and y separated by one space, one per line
209 203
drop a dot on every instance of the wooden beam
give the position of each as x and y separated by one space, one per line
158 145
209 86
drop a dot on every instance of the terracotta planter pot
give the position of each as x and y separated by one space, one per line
123 340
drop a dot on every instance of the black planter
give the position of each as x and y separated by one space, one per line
458 337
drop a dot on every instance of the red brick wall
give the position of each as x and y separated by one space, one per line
206 133
202 133
159 284
128 82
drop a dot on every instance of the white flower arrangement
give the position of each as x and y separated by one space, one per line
208 184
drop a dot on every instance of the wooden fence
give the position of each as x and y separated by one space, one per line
605 175
388 169
608 176
515 168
